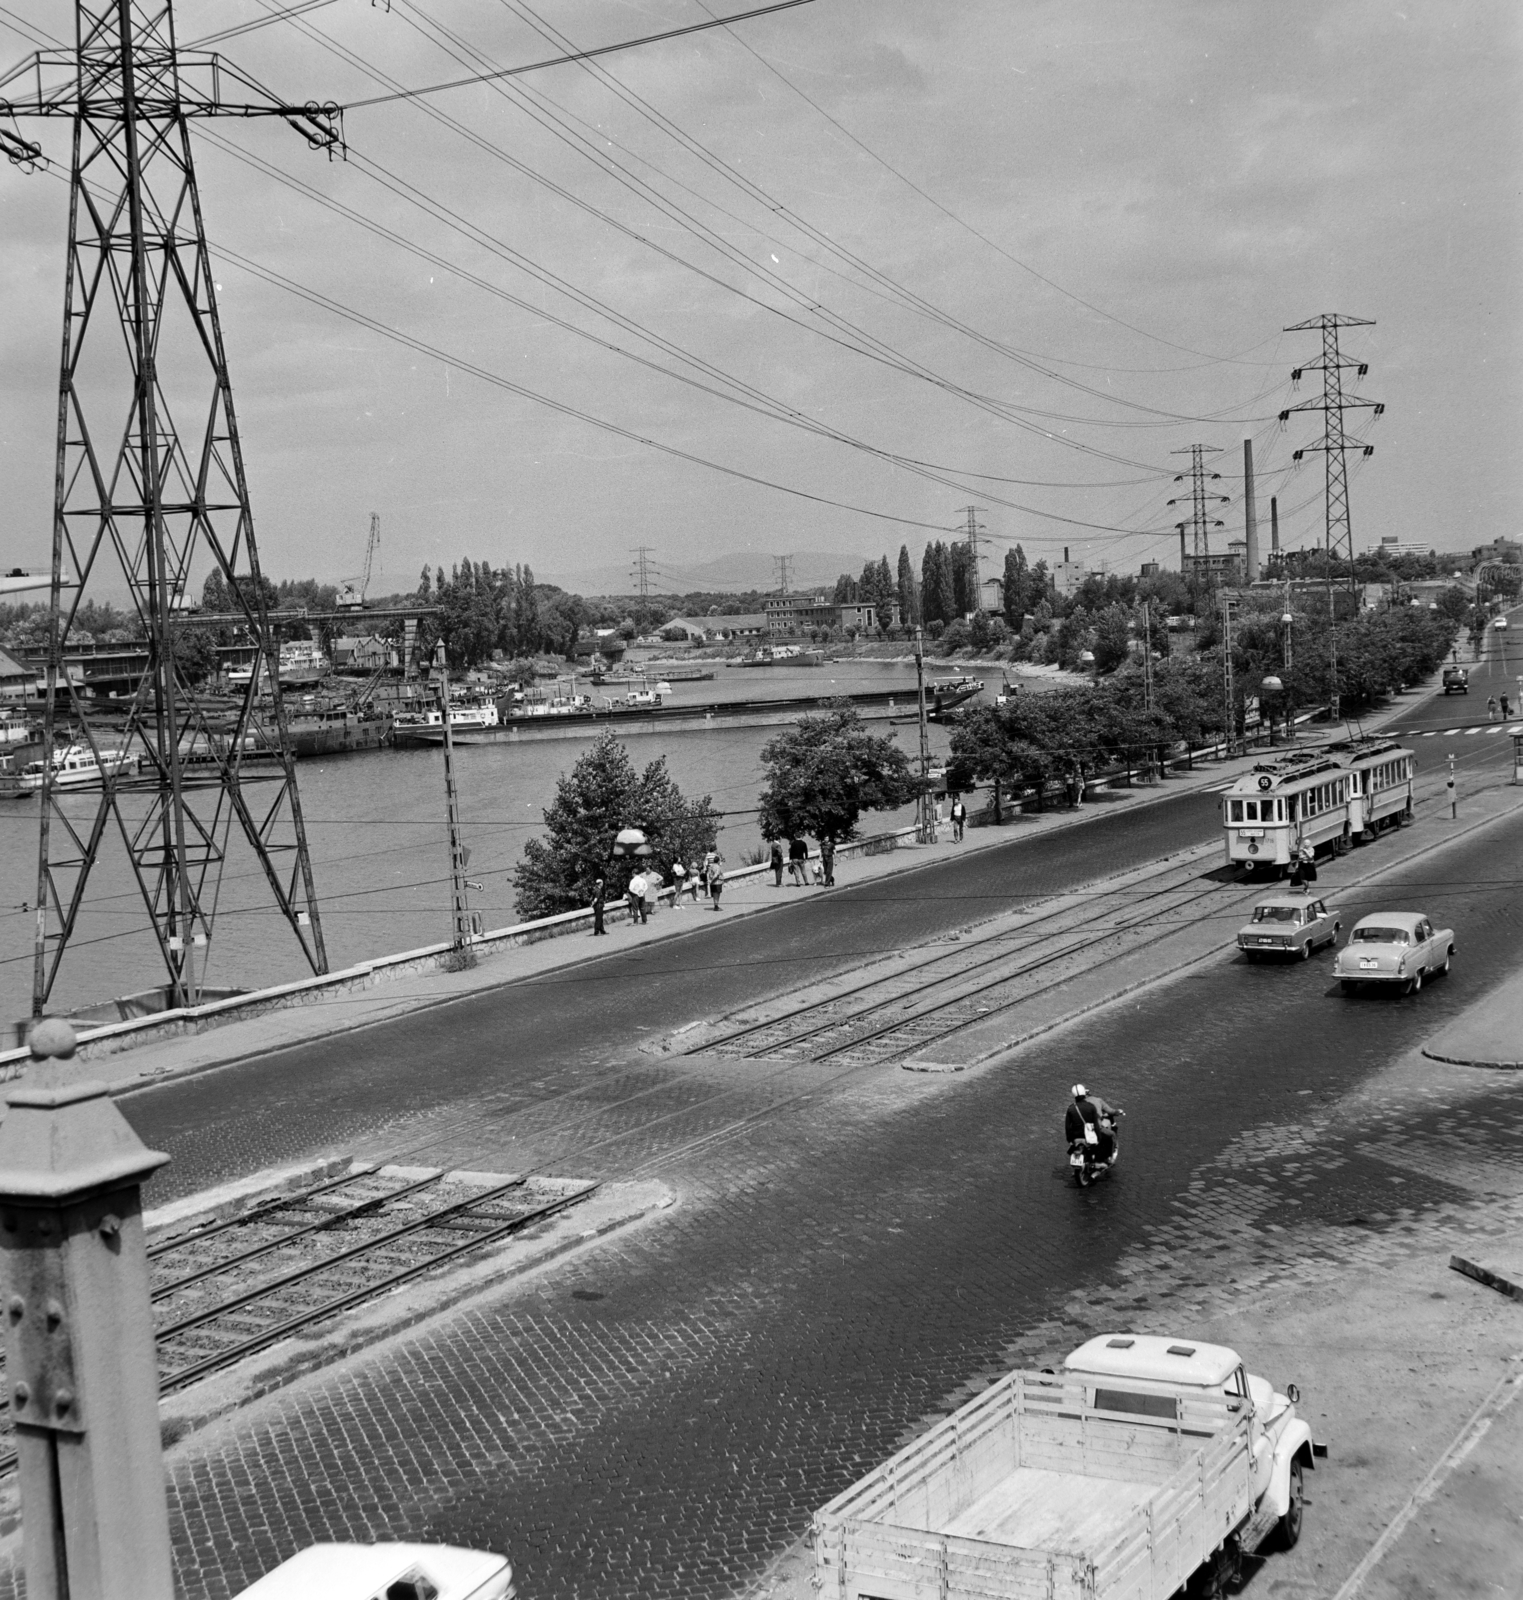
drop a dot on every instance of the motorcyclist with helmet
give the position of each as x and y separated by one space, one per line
1089 1110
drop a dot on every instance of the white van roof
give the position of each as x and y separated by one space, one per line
363 1571
1186 1362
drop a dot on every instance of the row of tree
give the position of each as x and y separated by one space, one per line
821 775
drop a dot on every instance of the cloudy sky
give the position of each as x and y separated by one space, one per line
816 283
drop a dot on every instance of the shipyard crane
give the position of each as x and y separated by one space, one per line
350 598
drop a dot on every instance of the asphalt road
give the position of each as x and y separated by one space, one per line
373 1090
660 1416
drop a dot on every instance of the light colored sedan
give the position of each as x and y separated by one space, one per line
1394 947
386 1572
1288 925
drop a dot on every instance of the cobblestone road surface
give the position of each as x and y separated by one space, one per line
660 1417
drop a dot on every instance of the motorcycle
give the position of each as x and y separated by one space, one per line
1084 1158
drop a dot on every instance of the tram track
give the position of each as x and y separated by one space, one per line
817 1031
232 1288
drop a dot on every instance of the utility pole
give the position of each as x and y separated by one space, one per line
971 530
143 506
1200 523
1274 525
925 821
1229 697
782 563
1335 443
1147 655
462 925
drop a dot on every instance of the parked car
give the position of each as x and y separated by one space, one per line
386 1572
1456 680
1288 925
1394 947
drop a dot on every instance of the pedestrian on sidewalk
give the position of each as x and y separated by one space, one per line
1491 708
694 879
710 867
716 884
1506 707
828 861
775 861
679 883
637 898
652 891
959 818
599 900
798 854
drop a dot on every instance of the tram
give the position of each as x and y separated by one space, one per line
1381 793
1327 797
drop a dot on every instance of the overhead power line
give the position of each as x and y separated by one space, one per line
577 55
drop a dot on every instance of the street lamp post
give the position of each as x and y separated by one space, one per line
925 820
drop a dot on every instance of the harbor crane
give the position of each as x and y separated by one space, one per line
350 598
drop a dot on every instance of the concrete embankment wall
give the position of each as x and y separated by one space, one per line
365 975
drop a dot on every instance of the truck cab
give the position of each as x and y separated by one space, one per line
1150 1376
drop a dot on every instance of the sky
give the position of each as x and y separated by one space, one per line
817 282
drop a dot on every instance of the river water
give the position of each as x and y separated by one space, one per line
375 827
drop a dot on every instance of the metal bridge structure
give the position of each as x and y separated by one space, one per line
150 495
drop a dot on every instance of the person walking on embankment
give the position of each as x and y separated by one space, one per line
599 900
828 861
775 861
637 898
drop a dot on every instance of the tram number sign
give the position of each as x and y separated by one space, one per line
1265 781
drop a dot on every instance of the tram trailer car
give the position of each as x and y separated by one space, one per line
1330 797
1381 793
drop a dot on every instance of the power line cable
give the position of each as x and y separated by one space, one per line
500 73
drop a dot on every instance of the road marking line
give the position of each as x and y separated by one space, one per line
1432 733
1450 732
1492 1407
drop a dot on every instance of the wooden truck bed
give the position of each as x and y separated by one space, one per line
1032 1490
1048 1510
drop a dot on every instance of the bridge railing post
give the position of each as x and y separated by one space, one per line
81 1374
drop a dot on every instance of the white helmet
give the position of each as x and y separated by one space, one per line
1079 1091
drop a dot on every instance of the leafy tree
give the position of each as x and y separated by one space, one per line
1113 639
825 771
964 599
845 590
600 795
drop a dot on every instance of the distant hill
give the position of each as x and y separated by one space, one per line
733 573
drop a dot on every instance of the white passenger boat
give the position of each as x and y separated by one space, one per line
77 767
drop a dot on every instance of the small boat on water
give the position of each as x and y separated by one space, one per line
76 767
301 663
778 655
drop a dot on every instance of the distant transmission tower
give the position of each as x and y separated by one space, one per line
642 571
1201 522
141 505
1335 442
783 564
972 528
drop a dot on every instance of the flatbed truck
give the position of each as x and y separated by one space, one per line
1145 1467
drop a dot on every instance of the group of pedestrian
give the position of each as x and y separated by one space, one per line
1303 865
1491 708
644 890
799 872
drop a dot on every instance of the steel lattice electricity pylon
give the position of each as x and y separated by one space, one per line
1335 442
1201 522
137 500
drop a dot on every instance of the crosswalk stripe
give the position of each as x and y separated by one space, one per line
1432 733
